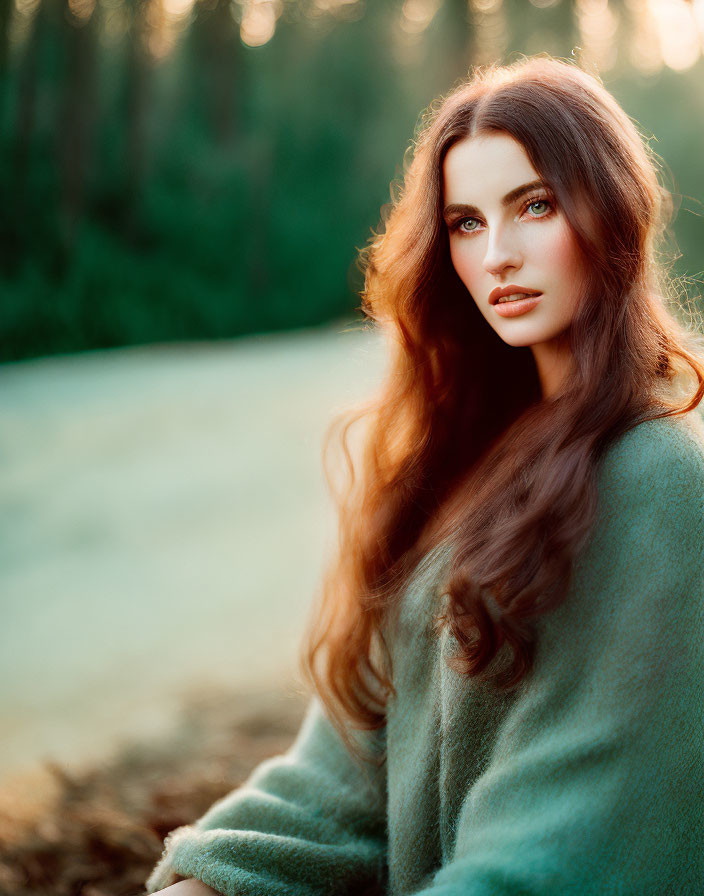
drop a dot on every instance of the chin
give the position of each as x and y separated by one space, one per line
522 337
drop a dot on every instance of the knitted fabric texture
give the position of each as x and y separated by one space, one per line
586 779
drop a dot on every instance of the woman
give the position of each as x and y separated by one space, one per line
509 648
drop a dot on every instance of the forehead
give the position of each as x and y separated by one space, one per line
484 168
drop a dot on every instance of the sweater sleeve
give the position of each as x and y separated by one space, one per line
309 822
595 786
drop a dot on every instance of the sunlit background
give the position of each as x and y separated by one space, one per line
185 188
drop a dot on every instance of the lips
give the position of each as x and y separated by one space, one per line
500 292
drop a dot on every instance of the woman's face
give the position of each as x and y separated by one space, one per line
506 231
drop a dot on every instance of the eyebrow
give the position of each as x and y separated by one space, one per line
452 211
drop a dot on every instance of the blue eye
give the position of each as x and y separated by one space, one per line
542 208
460 225
544 202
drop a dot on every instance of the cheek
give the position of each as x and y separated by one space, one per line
562 253
464 264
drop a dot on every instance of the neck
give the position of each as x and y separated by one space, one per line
554 361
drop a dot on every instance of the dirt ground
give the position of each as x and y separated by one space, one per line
99 832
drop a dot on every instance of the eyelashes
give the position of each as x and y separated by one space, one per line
456 226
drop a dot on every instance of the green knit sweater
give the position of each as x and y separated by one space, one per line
587 779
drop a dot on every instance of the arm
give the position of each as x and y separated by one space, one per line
596 784
312 821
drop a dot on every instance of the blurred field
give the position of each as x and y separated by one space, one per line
163 524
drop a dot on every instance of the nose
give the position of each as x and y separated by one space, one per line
502 253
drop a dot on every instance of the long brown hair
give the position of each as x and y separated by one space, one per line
460 412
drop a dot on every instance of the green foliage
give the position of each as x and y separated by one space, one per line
226 189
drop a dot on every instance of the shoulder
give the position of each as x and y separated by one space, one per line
661 458
647 539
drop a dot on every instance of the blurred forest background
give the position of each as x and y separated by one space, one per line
202 169
180 171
